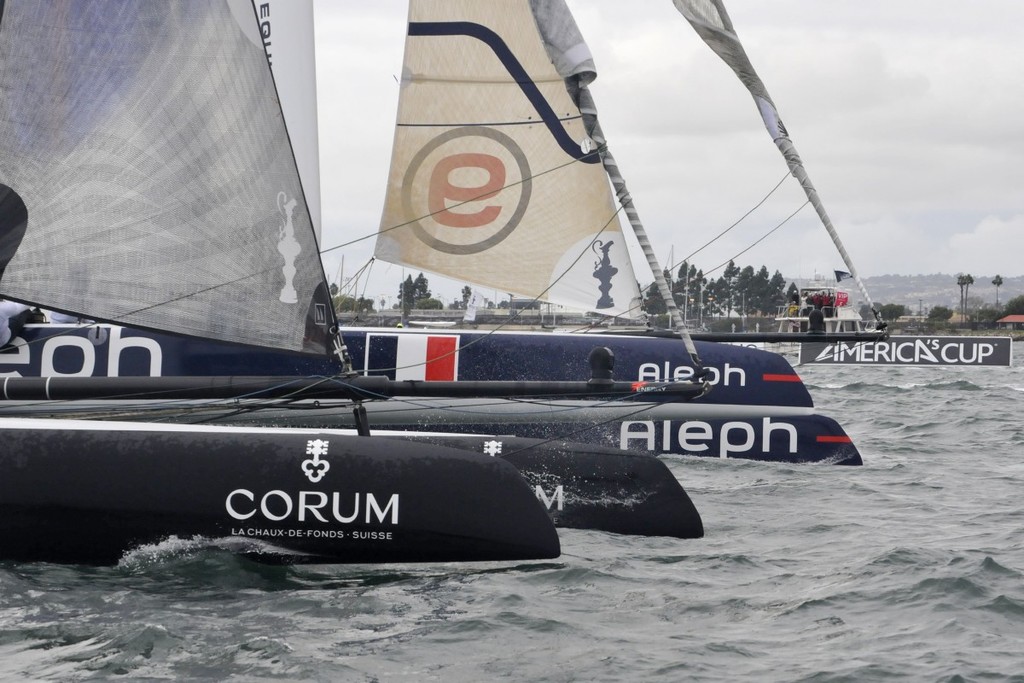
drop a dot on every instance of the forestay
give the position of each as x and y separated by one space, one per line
494 180
147 175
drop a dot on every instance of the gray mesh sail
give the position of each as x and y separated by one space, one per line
146 175
711 22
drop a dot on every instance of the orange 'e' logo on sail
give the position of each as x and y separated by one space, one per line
442 190
469 177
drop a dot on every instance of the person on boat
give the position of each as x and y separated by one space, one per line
66 318
12 318
816 321
794 305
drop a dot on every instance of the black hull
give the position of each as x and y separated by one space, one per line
757 409
584 486
90 494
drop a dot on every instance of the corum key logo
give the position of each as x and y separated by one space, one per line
314 467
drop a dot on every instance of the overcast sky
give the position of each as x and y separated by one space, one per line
909 116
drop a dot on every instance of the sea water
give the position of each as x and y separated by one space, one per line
908 568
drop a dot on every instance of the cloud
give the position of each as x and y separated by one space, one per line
907 116
994 245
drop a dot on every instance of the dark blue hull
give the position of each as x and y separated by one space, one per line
758 408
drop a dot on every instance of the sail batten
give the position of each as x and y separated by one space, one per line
147 144
494 181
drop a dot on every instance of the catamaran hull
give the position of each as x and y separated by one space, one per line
584 486
739 376
90 492
794 435
758 407
727 432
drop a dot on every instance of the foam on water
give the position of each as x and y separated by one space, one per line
908 568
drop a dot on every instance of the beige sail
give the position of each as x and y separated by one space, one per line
493 179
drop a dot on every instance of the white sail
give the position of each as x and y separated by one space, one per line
286 27
147 175
712 23
493 178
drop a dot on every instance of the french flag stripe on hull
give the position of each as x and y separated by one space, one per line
427 357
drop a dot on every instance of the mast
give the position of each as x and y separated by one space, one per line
589 110
569 54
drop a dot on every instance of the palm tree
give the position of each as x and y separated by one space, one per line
964 282
967 289
998 282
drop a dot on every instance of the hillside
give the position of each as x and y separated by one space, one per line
925 291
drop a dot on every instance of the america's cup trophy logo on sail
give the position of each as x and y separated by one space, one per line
603 271
288 246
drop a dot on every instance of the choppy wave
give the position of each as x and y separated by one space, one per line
908 568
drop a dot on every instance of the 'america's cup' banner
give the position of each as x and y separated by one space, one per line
911 350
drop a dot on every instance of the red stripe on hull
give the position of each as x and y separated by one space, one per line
834 439
781 378
440 359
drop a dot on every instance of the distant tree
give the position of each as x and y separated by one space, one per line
685 282
743 290
348 304
943 313
678 285
964 281
654 303
892 311
467 294
334 289
407 295
727 288
1014 306
776 293
972 305
412 293
998 282
987 314
429 304
421 287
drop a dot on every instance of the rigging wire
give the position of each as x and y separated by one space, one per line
738 221
759 240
